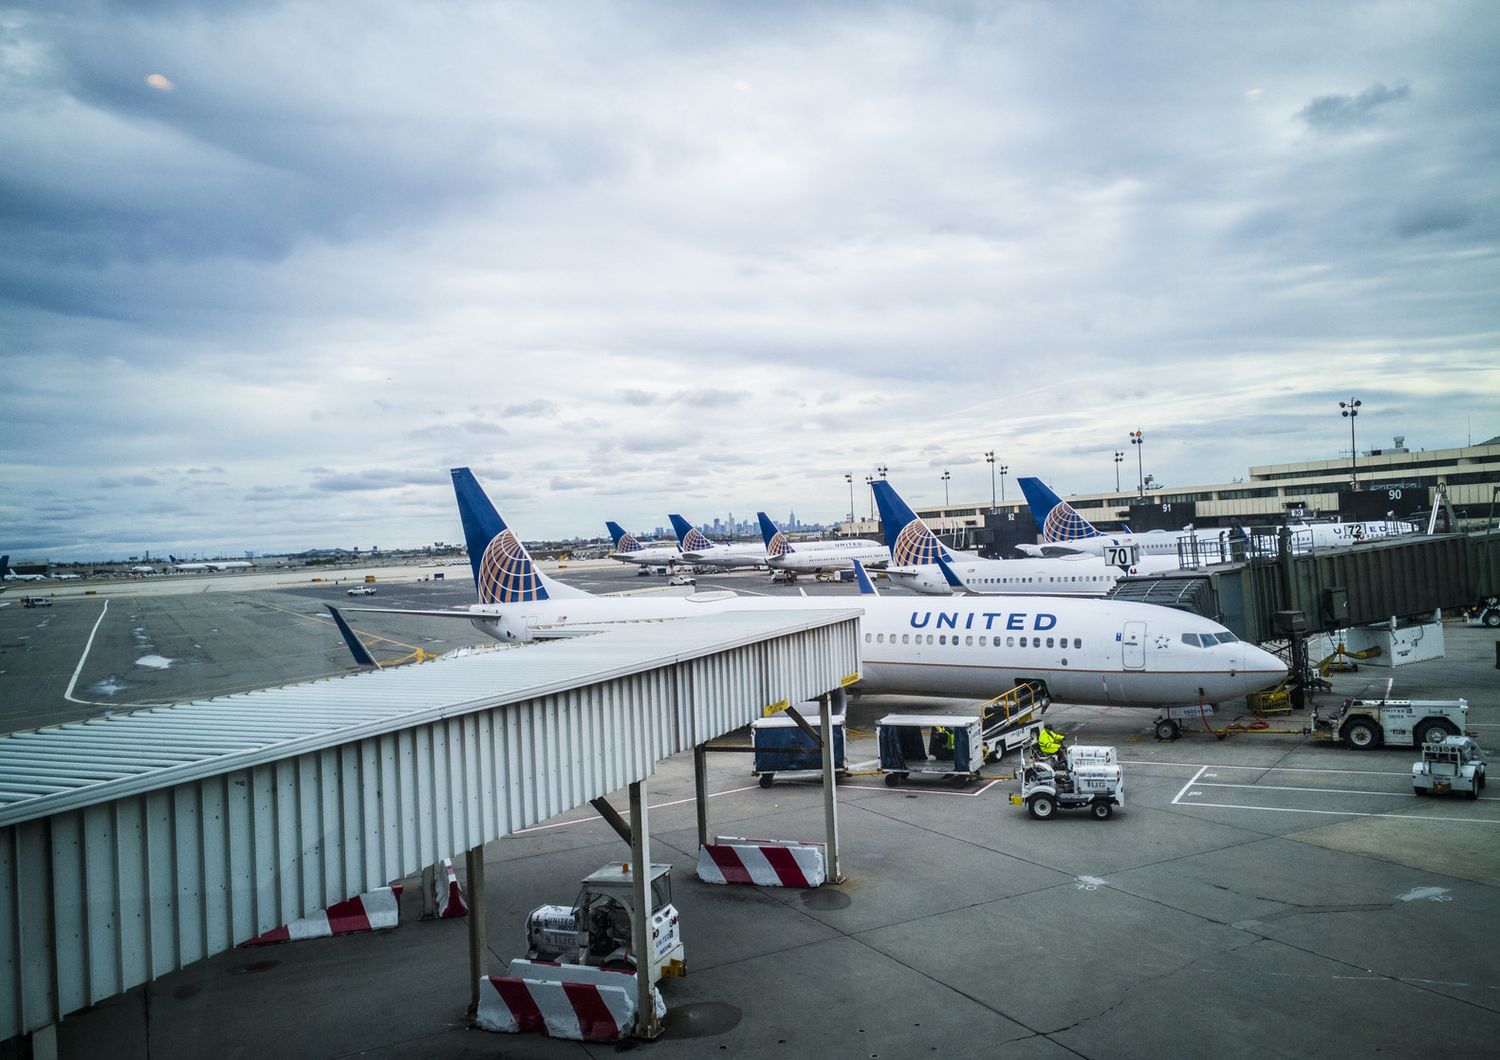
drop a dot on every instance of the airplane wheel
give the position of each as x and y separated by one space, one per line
1167 729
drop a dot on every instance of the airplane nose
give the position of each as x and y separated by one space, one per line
1260 661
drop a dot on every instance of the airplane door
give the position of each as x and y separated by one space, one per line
1133 646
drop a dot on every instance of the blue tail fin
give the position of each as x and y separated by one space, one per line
4 566
503 570
1055 518
689 538
952 579
624 540
862 579
776 542
910 541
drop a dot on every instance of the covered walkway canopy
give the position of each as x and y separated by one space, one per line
136 844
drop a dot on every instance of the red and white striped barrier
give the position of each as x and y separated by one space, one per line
449 896
572 1001
377 909
763 862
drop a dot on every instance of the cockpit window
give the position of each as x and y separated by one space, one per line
1227 638
1191 640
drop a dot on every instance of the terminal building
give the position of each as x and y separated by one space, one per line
1392 483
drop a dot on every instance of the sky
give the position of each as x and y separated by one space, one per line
269 270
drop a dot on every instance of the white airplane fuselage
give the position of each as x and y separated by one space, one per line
1093 651
1066 575
813 557
728 557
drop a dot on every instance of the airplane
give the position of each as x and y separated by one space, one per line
8 575
697 548
816 557
1084 651
960 572
214 565
1066 533
628 549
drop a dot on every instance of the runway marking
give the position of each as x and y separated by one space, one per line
1320 791
68 695
1190 783
329 622
1270 769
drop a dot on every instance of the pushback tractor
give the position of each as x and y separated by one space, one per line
1078 777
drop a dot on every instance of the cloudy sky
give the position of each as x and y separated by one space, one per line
268 270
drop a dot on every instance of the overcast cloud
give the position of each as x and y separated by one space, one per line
268 270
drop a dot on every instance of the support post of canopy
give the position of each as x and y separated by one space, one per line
647 1026
700 791
830 794
429 892
477 945
43 1042
611 817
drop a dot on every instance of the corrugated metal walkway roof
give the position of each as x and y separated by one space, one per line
64 767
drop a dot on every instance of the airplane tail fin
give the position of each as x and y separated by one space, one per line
910 541
624 540
776 542
4 566
503 570
689 537
862 579
1055 518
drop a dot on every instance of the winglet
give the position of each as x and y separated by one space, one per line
862 578
952 579
361 654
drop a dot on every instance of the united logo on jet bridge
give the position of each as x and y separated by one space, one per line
1013 620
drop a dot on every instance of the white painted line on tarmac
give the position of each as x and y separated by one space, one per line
1316 791
926 789
68 695
1341 813
1269 769
1190 783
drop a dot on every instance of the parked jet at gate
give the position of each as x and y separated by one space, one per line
1089 651
1066 533
698 549
629 549
963 572
816 557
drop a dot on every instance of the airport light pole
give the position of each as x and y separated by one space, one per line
882 469
870 485
1351 410
1118 457
849 478
946 477
1004 470
989 458
1138 440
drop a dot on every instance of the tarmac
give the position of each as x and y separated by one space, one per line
1260 895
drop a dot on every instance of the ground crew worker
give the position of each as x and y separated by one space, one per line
1048 741
942 743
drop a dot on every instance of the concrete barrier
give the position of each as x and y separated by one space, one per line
373 911
449 895
569 1001
763 862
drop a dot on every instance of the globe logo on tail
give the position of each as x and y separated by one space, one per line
1064 524
778 545
693 541
628 543
506 573
916 545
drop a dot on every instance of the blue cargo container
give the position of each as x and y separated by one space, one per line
782 747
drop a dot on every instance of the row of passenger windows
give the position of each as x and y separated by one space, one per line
1039 580
984 641
1207 640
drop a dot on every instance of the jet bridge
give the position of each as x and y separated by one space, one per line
1332 588
134 845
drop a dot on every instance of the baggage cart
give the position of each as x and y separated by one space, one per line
946 745
782 747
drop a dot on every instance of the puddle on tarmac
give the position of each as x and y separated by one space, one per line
701 1019
823 899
